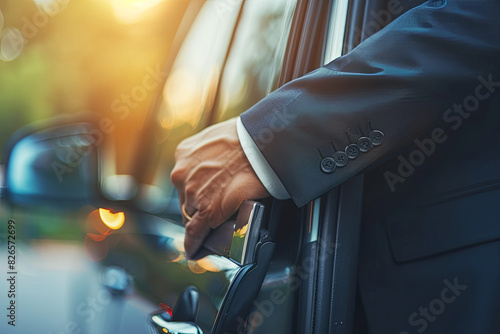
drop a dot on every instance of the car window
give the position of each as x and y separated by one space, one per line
256 58
336 31
216 74
187 97
190 88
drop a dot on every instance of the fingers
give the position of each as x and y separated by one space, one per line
213 177
197 229
187 213
177 177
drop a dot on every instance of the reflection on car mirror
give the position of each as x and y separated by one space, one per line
59 163
237 238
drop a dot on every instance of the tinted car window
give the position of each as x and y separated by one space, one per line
213 75
190 87
256 58
217 73
187 98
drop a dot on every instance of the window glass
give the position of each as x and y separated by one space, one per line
192 83
336 31
256 58
214 76
188 96
203 81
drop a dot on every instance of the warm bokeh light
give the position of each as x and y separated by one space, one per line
179 245
96 227
240 233
207 264
100 224
187 96
183 94
130 11
195 268
96 237
178 258
112 220
50 66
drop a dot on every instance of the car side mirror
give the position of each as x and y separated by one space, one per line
56 163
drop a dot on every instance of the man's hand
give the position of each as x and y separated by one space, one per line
213 177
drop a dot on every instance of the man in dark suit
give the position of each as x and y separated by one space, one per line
416 107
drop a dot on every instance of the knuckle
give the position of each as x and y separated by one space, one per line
190 191
179 151
215 215
176 176
204 204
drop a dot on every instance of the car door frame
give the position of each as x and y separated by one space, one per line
328 293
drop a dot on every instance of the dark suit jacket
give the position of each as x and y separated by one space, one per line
430 82
403 79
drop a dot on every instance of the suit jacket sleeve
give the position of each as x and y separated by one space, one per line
430 68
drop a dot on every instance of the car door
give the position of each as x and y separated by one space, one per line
329 302
262 56
317 38
233 54
229 55
230 58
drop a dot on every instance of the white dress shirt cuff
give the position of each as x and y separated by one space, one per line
260 165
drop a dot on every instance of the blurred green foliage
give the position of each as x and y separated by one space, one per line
83 57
